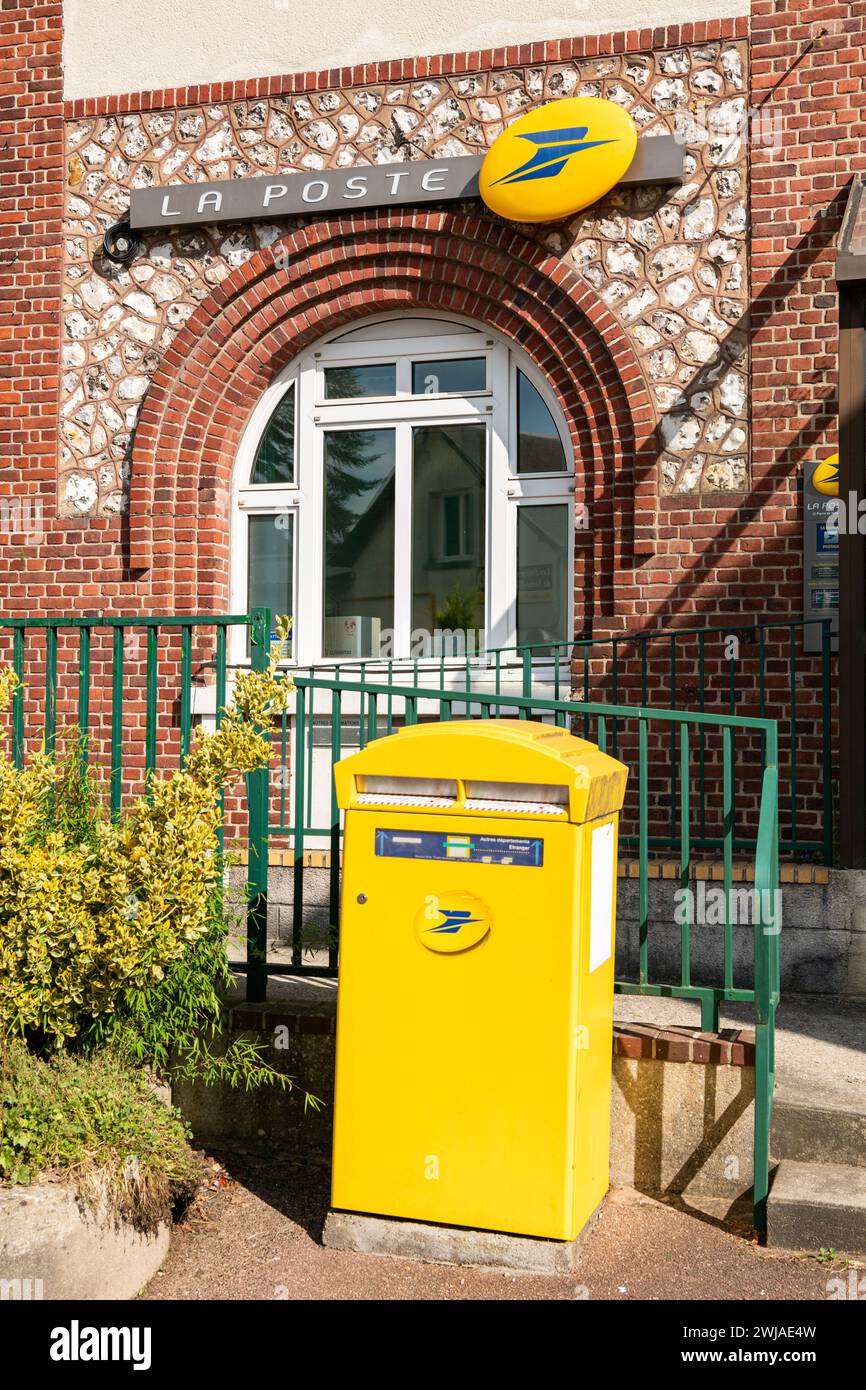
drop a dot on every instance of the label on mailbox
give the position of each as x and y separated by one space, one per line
453 845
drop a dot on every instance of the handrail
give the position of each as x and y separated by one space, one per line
764 991
698 675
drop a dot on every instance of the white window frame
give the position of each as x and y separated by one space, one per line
505 490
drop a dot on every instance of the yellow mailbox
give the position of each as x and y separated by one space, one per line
474 1024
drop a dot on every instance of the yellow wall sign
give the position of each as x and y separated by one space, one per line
557 159
825 478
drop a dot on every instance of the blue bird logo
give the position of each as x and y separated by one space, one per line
558 146
454 920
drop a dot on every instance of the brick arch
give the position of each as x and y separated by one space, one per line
329 273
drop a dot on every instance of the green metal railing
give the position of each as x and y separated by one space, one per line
129 735
690 668
134 709
383 707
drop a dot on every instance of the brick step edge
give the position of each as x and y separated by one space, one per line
732 1047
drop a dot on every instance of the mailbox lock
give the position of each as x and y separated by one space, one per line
362 898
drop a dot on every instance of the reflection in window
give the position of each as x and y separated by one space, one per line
359 541
347 383
539 447
448 549
275 456
542 574
460 375
270 566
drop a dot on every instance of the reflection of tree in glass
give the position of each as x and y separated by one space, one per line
275 456
349 456
462 610
342 383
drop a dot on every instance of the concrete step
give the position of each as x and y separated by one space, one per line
818 1129
817 1204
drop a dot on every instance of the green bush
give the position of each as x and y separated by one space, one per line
94 912
94 1120
115 932
113 960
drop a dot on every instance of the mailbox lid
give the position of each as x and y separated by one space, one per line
499 767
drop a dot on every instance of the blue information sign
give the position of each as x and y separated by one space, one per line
457 846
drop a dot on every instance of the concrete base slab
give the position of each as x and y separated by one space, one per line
452 1245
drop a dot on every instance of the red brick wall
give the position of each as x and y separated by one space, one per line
813 55
93 564
733 559
808 67
31 203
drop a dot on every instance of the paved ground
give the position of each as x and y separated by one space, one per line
254 1234
254 1231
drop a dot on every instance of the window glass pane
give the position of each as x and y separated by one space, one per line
539 447
543 574
461 374
275 456
270 566
448 527
345 383
359 541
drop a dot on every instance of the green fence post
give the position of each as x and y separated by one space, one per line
526 682
50 689
766 948
116 720
18 697
728 847
220 708
186 690
84 692
673 749
334 869
702 700
257 836
298 772
151 687
685 854
614 694
643 851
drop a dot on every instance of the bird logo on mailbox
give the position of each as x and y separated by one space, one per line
558 159
452 922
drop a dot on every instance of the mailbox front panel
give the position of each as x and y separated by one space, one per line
457 1027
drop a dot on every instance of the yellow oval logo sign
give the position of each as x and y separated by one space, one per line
558 159
450 922
825 478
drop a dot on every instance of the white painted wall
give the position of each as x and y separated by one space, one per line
113 46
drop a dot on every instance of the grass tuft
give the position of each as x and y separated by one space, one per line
94 1121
